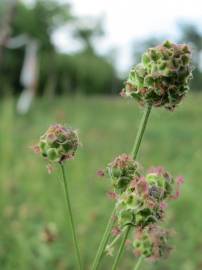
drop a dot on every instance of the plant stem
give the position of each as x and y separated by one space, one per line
103 242
141 131
75 241
120 251
138 262
135 150
115 239
134 153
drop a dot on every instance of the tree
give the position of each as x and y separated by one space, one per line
40 21
192 35
86 30
7 13
84 71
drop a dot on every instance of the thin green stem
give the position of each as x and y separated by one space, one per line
138 262
135 150
75 241
115 239
141 131
134 153
121 248
103 242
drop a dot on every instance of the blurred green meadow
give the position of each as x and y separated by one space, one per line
34 229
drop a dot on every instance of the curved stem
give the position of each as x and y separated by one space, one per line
138 262
121 248
141 131
75 241
103 242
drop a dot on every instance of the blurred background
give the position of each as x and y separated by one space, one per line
66 61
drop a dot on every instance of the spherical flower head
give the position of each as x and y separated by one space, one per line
142 201
58 143
135 207
122 170
152 243
162 78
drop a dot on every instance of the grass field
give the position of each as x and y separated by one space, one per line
30 199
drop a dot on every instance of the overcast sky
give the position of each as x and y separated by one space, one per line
127 20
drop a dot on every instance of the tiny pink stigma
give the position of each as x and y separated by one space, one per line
116 231
112 195
36 149
100 173
122 93
49 168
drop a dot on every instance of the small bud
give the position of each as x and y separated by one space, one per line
161 183
122 170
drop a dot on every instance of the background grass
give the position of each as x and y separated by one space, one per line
30 199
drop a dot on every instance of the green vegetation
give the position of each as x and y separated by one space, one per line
34 230
84 71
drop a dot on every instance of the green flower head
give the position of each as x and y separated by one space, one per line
152 243
162 77
58 143
145 199
121 171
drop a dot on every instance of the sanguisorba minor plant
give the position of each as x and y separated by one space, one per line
58 145
161 79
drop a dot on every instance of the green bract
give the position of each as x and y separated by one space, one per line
162 78
58 143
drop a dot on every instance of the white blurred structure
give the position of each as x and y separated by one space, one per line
29 72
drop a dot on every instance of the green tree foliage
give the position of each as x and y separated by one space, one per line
192 35
2 8
84 71
86 31
41 20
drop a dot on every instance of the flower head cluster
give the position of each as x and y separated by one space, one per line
162 77
121 171
143 202
58 143
152 243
